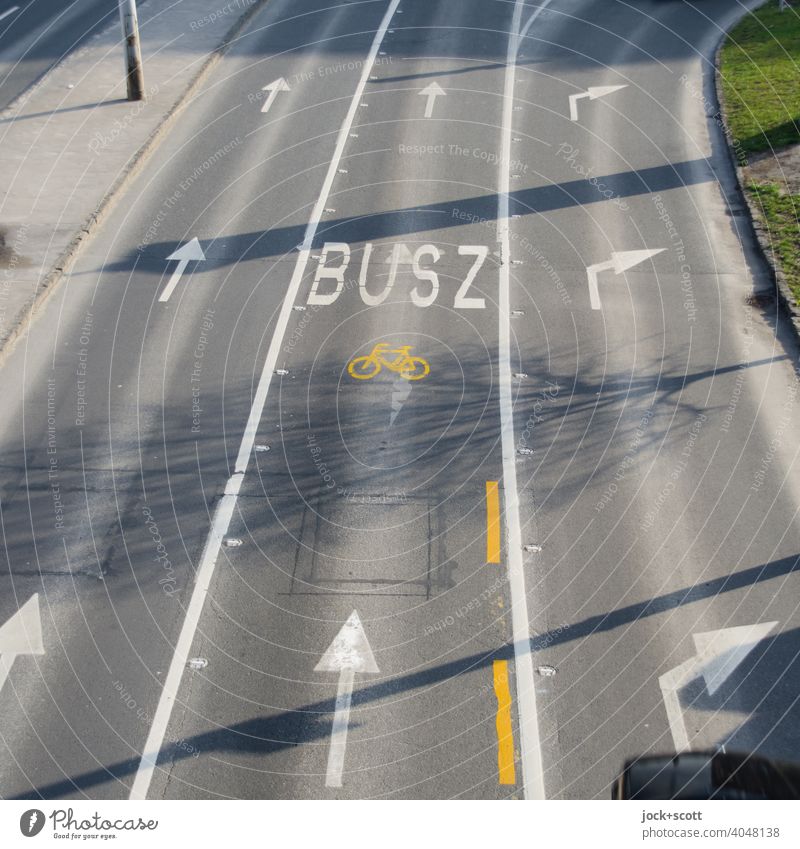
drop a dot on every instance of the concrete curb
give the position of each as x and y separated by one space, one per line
786 299
69 255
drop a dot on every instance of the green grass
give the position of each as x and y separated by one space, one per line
760 69
781 214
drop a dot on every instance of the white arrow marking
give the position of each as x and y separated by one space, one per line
349 653
189 251
22 634
8 12
620 261
431 92
400 255
593 92
273 88
718 655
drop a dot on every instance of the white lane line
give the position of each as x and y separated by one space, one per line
305 251
224 510
529 739
8 12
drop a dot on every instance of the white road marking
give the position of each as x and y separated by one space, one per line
8 12
224 510
273 88
401 389
350 652
431 91
21 634
620 262
400 255
593 92
188 252
341 722
529 740
461 301
718 655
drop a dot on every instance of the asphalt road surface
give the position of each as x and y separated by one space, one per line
547 522
37 34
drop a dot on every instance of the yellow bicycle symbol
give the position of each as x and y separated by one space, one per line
395 359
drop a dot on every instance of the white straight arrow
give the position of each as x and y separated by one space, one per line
273 88
349 653
400 255
22 634
593 92
431 92
620 261
189 251
719 653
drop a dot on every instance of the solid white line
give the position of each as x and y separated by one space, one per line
8 12
225 508
341 720
530 742
305 252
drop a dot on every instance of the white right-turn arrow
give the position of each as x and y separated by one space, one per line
718 655
620 261
22 634
593 92
349 653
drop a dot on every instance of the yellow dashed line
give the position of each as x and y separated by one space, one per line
492 522
505 735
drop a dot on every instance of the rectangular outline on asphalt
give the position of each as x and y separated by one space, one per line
224 510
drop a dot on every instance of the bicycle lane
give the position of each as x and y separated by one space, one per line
371 495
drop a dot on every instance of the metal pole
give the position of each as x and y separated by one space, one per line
133 54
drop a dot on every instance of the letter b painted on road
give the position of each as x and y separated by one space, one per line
326 273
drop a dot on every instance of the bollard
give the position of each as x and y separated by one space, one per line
133 55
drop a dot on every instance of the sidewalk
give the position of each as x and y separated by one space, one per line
71 142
